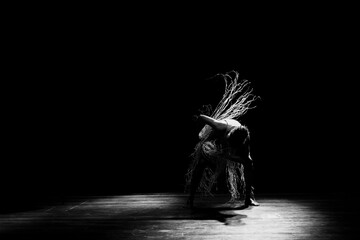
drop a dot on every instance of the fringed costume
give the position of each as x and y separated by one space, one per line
210 156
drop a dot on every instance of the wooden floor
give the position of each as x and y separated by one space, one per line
164 216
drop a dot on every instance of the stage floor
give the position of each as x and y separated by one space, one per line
165 216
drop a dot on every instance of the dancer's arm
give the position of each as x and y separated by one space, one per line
216 124
204 131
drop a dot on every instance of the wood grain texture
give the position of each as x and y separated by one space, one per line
165 216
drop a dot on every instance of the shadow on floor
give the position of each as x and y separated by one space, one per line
226 215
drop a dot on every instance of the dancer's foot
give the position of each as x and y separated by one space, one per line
251 202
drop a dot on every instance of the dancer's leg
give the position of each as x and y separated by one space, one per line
195 181
249 181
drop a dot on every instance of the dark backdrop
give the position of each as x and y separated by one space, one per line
108 109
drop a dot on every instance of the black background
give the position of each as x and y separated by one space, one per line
104 105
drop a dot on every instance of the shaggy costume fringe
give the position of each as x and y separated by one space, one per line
235 102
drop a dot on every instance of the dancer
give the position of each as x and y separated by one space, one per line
225 146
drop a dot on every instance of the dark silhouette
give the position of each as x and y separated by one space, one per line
225 139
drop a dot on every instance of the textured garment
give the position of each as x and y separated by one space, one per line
212 151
